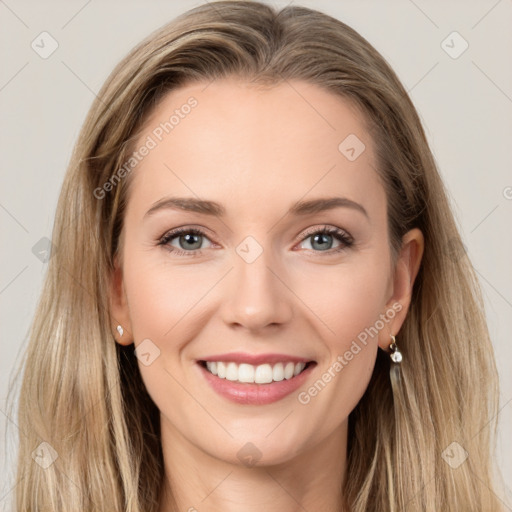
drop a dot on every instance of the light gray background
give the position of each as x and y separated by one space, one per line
465 104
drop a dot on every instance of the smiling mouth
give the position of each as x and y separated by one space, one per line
255 374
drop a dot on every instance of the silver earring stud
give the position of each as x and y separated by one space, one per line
120 330
396 355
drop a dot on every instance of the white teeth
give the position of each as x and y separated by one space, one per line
288 370
221 370
278 372
232 371
261 374
298 368
246 373
212 366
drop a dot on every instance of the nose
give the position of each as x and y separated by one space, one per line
259 297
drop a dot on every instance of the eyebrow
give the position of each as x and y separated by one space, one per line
213 208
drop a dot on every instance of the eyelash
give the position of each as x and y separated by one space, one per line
340 235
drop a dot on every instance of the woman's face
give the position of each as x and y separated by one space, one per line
257 283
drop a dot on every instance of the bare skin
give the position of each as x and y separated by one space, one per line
257 152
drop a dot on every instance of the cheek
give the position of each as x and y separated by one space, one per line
164 304
337 388
161 297
343 376
347 299
351 306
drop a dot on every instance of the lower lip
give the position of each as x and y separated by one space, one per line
255 394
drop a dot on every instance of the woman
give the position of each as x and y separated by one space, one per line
251 212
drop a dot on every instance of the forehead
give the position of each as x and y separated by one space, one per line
229 140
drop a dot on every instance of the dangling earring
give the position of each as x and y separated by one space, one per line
120 330
396 355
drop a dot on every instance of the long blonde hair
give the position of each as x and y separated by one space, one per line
82 393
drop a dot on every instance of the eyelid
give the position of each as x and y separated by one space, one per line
201 230
324 228
344 237
176 232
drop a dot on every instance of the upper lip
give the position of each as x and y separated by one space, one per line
255 359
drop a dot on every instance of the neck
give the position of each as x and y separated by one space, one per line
195 481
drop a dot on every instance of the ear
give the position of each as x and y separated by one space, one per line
119 312
405 272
